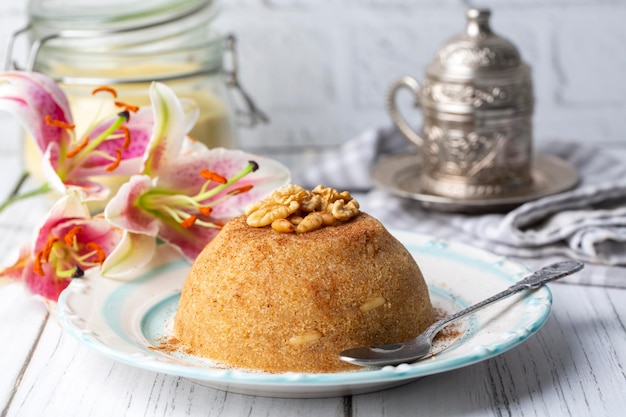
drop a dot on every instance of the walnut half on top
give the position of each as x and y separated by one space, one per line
294 209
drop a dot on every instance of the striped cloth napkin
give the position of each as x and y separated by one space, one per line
587 223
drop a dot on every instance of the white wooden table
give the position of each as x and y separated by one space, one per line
574 366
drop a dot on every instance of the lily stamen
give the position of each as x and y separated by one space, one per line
126 142
118 159
66 255
45 252
213 176
214 225
70 238
84 153
206 194
189 221
162 201
78 148
178 216
43 256
97 251
104 88
205 210
37 264
240 190
130 107
83 260
181 208
58 123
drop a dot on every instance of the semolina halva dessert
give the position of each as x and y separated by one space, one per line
299 278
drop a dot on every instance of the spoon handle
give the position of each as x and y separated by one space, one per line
532 281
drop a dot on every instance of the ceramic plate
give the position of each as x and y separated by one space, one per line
128 320
400 174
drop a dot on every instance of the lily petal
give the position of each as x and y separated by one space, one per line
87 189
16 265
169 129
31 96
68 242
68 206
47 286
133 252
192 112
49 163
188 242
122 210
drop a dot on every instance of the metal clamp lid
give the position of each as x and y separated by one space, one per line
89 34
250 116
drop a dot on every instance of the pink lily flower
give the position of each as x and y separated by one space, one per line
187 191
110 145
68 243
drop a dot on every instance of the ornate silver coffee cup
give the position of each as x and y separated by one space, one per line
477 106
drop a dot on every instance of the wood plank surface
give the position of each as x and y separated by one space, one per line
21 322
573 366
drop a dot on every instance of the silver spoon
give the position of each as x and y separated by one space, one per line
414 349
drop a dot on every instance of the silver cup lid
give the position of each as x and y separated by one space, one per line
477 52
478 69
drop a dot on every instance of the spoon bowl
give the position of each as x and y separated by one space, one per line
419 347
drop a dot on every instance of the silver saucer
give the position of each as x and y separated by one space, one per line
400 174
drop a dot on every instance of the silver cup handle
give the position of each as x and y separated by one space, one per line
411 84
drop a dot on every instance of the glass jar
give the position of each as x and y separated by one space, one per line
127 44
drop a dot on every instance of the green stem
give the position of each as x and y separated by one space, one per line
14 197
19 183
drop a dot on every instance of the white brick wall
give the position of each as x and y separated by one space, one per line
12 17
320 68
325 81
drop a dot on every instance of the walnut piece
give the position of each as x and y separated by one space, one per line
312 221
292 208
344 211
279 205
283 226
267 214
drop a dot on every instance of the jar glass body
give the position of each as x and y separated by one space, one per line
128 46
170 41
186 71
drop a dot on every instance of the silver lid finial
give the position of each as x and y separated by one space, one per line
478 22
